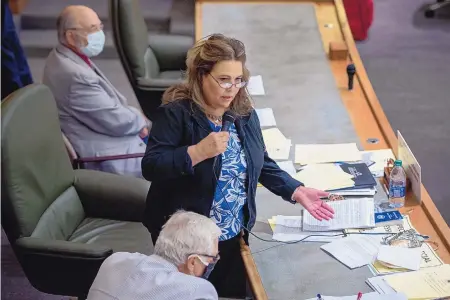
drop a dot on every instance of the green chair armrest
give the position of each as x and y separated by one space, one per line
170 50
61 248
156 84
111 196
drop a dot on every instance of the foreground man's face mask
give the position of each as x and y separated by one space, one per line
209 266
96 42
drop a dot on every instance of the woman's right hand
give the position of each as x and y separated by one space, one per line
212 145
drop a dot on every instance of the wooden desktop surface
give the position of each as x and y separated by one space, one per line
367 117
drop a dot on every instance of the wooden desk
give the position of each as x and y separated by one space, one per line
365 113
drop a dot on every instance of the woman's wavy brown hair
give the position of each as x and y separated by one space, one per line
200 60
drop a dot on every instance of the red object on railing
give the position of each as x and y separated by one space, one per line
360 17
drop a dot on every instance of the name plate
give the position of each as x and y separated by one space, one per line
411 167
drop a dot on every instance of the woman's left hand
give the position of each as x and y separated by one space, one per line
309 198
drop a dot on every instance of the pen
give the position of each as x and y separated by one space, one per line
359 296
319 297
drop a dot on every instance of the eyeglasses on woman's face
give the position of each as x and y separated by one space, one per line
226 83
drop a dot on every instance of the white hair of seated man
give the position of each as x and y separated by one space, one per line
187 233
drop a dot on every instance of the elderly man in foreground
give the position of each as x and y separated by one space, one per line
185 254
94 116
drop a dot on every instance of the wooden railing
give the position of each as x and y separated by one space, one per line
17 6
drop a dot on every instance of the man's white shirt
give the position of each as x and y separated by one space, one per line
135 276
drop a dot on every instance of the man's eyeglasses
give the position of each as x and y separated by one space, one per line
214 258
228 85
93 28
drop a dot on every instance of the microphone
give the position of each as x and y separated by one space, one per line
351 70
228 119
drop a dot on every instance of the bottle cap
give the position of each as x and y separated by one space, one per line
398 163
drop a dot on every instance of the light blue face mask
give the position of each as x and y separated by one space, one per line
96 42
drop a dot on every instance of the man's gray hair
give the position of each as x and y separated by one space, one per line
186 233
64 22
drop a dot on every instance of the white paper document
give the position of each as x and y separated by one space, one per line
428 283
400 257
255 86
277 145
378 284
266 117
367 296
354 251
349 213
325 177
289 229
287 166
377 160
326 153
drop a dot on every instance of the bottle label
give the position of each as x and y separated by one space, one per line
397 192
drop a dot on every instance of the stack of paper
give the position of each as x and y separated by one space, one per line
326 153
425 257
385 229
396 257
325 177
349 213
367 296
289 229
429 283
277 145
354 251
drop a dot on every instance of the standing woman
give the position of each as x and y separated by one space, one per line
195 166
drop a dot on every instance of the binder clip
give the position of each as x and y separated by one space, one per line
334 197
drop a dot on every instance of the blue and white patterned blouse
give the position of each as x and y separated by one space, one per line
231 190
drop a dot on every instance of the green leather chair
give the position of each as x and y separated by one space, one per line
61 223
152 63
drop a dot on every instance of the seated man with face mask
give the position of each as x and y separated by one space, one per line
94 116
185 254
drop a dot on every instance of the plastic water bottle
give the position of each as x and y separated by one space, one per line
397 186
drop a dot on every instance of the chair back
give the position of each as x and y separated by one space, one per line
130 34
37 176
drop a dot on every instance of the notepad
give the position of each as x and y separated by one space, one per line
349 213
429 283
326 153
